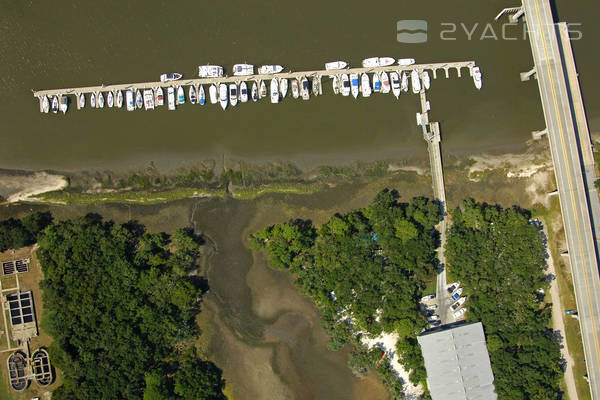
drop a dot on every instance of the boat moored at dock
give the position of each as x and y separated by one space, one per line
171 76
233 94
365 85
213 94
335 65
426 80
305 89
243 69
415 81
270 69
148 99
370 62
405 62
262 90
160 96
355 85
46 104
395 83
345 89
254 91
201 95
295 88
243 92
223 95
129 100
139 101
274 91
171 98
81 100
180 95
210 71
404 82
385 82
120 99
55 104
335 85
192 94
110 101
64 104
376 83
100 100
315 86
477 77
283 87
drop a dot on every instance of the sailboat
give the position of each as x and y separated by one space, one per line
336 85
263 90
274 91
129 100
345 85
110 99
254 91
81 100
160 96
213 94
243 92
295 91
45 104
55 104
119 99
139 102
223 95
305 90
100 100
201 95
283 87
385 83
376 83
171 98
180 95
192 94
355 85
404 82
365 85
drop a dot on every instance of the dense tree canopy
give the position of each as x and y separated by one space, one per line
16 233
116 301
365 270
499 259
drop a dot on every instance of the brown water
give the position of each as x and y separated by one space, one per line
71 43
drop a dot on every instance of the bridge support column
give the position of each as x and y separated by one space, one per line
553 193
538 134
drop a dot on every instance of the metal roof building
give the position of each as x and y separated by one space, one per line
457 363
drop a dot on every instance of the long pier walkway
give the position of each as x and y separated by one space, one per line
433 67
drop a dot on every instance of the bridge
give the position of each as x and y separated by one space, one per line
570 145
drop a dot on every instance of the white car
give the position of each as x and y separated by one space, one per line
460 313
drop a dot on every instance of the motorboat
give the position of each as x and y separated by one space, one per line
180 95
335 65
395 83
233 94
459 313
274 91
262 90
55 104
354 82
385 82
192 94
270 69
283 87
254 91
419 119
243 69
148 99
46 104
110 100
223 95
213 94
160 96
171 76
406 61
210 71
305 89
243 92
82 100
386 61
120 98
171 98
100 100
345 89
426 80
201 95
315 85
64 104
365 85
93 100
477 77
295 88
456 295
404 82
128 100
370 62
335 83
415 81
458 303
139 102
376 83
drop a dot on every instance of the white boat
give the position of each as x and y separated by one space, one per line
128 100
335 65
295 88
385 83
192 94
262 90
171 98
93 100
315 86
457 294
370 62
139 102
419 119
406 61
395 83
415 81
458 303
274 91
404 82
336 85
355 85
254 91
376 83
120 98
55 104
233 94
270 69
82 100
210 71
243 69
172 76
223 95
385 61
305 89
459 313
160 96
477 77
345 89
64 104
243 92
148 99
46 104
283 87
365 85
426 80
213 94
180 95
100 100
110 100
201 95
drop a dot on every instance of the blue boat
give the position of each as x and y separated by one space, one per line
354 85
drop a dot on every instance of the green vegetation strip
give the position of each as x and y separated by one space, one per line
366 271
498 256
